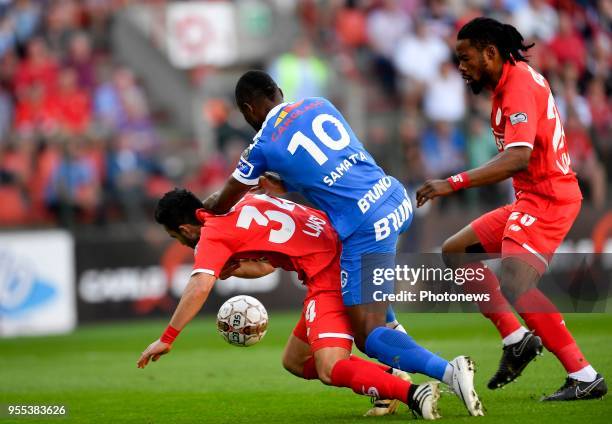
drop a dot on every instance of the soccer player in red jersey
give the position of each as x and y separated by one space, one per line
533 152
295 238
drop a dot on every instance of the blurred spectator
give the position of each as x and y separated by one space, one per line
385 26
571 101
37 111
120 102
300 73
536 19
7 35
567 46
26 16
80 59
6 115
418 56
351 25
445 95
73 189
588 168
39 67
74 103
62 21
443 150
126 175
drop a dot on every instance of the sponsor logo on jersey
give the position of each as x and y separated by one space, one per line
293 112
518 117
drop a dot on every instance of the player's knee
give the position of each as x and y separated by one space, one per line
291 365
516 279
360 339
452 251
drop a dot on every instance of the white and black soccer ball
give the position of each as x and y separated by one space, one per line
242 321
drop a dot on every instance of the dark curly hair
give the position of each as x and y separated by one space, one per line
176 208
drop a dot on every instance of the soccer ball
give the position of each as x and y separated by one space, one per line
242 321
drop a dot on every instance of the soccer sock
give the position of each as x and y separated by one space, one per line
310 369
399 350
383 367
586 374
543 317
515 337
391 316
497 309
368 379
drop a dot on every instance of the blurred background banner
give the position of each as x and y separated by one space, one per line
36 283
123 278
201 33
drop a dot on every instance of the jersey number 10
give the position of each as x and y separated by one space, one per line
299 139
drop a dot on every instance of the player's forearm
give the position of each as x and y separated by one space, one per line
222 201
501 167
191 302
253 269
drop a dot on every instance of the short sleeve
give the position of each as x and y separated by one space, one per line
519 110
252 164
211 255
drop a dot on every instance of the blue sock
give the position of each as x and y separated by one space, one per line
399 350
390 314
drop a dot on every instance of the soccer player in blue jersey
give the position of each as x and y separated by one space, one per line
315 152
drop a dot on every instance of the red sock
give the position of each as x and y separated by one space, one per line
543 317
497 309
369 380
383 367
310 369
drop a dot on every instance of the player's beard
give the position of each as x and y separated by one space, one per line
476 86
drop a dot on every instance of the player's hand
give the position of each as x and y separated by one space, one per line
432 189
229 267
271 183
153 352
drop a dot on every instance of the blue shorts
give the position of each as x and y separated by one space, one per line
372 247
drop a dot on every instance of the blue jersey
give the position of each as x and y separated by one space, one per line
314 150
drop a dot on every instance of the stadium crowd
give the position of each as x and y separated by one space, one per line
80 143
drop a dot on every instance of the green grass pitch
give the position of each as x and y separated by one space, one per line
205 380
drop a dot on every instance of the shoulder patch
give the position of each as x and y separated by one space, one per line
518 117
244 166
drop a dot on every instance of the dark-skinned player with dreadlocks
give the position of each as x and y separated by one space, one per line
533 152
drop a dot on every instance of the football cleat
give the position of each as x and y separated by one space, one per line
515 358
423 400
579 390
463 384
382 407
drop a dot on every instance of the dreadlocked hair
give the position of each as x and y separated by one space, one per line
486 31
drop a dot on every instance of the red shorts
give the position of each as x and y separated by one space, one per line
531 228
324 322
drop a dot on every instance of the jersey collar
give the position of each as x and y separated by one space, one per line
270 114
504 77
201 215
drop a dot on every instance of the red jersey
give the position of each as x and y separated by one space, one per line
290 236
524 114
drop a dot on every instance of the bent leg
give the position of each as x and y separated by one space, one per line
484 235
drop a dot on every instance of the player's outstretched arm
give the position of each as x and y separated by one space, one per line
502 166
222 201
191 302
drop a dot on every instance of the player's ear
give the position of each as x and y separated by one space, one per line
490 51
246 108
